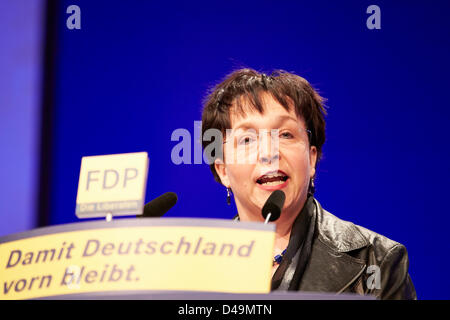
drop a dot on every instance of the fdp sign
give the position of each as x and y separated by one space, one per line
112 184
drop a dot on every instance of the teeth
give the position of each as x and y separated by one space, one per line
278 177
273 175
273 183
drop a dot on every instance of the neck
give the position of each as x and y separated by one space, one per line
283 224
283 230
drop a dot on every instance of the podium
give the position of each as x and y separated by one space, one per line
152 258
209 296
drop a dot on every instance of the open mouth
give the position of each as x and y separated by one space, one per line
272 178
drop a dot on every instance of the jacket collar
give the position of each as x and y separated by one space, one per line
331 268
339 235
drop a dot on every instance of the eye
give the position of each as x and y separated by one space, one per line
246 140
286 135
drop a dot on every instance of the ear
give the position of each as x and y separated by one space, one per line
312 161
220 167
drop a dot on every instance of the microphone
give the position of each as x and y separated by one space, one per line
271 210
159 206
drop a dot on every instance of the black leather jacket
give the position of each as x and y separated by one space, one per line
346 258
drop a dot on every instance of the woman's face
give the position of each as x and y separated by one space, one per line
267 152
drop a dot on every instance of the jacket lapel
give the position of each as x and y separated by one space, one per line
331 268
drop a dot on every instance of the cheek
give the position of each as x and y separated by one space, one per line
299 165
240 175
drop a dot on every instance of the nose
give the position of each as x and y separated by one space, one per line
269 159
269 149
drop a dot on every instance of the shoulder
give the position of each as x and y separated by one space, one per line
346 236
372 248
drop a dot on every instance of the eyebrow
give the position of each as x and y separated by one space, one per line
280 119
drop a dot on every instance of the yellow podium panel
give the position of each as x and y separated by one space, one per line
132 255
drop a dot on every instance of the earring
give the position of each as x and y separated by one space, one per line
312 188
228 195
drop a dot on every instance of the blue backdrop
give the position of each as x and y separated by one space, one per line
138 70
21 36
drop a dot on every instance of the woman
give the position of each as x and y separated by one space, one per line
273 129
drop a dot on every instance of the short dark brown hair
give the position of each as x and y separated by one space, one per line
287 88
